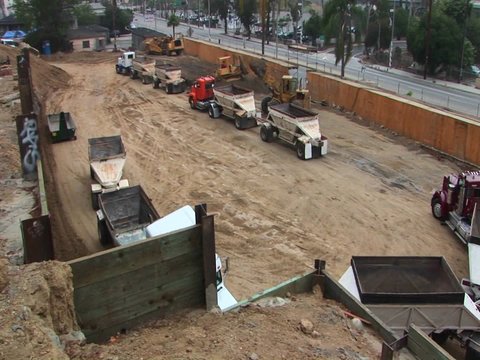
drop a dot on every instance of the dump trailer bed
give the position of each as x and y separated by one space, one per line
107 158
413 289
169 77
61 127
143 68
297 126
124 215
236 103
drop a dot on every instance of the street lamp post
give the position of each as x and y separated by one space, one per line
393 34
209 21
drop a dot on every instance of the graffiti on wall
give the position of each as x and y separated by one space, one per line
28 141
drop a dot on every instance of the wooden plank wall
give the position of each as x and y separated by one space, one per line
122 287
451 134
424 347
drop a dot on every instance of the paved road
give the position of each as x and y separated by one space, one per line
458 98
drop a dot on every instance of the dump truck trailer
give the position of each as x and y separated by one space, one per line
169 78
61 127
123 216
107 158
143 68
401 290
127 216
296 126
236 103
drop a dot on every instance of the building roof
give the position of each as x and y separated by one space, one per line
87 31
144 32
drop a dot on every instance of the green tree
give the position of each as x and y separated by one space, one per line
173 21
123 17
50 20
444 40
221 8
245 10
313 26
401 22
85 14
473 35
296 14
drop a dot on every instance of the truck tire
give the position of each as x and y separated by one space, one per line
178 52
94 201
266 133
103 234
144 80
264 105
437 209
190 101
238 123
300 147
117 69
155 84
211 112
167 89
132 74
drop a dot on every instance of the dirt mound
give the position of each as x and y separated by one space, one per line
37 313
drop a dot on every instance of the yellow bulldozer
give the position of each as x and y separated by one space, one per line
227 70
289 92
164 45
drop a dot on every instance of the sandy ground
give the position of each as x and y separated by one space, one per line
275 215
369 196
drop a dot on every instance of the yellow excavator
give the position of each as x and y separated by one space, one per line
289 92
164 45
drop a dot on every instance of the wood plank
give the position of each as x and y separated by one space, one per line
424 346
120 260
103 334
333 290
298 284
178 296
209 261
152 276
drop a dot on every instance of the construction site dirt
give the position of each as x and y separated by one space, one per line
275 214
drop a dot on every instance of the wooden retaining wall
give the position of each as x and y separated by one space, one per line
453 135
123 287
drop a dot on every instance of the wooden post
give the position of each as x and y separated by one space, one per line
209 261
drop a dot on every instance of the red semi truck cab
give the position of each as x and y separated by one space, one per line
201 92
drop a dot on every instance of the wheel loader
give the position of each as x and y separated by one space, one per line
289 92
227 70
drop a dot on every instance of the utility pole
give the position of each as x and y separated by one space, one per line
393 35
114 12
209 21
427 39
460 76
262 14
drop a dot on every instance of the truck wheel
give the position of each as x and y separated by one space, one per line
95 201
132 74
211 113
266 133
155 84
117 69
167 89
103 234
238 123
264 105
437 209
144 80
300 147
190 101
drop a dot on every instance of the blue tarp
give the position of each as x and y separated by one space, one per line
14 34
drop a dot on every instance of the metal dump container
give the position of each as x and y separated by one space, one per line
406 280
